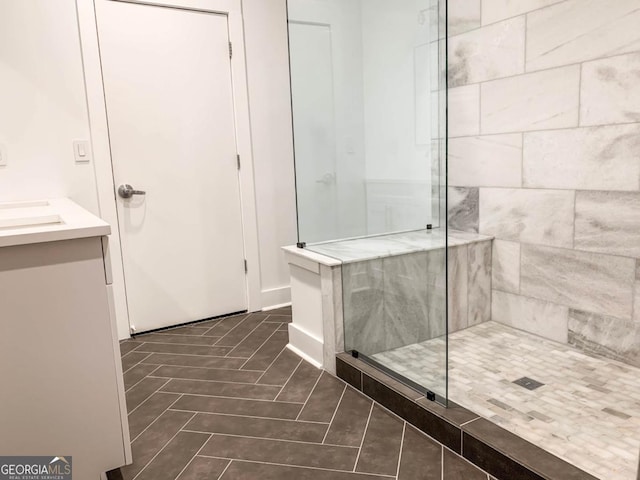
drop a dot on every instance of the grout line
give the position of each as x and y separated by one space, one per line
225 468
288 379
136 364
193 458
256 352
146 376
404 429
205 368
310 393
468 422
236 398
442 461
575 218
156 419
148 341
364 434
248 416
243 338
271 364
334 414
541 130
253 437
302 467
217 324
211 381
161 450
151 395
580 95
526 26
191 354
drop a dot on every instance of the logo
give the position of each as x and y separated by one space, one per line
35 468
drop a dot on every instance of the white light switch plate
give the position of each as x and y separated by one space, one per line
3 155
82 151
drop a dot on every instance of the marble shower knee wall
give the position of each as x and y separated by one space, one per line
543 155
400 300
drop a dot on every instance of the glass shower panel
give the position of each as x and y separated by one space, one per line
362 83
395 295
369 108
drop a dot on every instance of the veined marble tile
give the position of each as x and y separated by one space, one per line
506 266
463 209
582 280
458 281
608 222
362 284
534 216
462 15
609 92
495 10
534 101
464 111
595 158
531 315
577 30
486 161
487 53
435 325
479 283
405 298
604 335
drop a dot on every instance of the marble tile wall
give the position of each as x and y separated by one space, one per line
544 155
400 300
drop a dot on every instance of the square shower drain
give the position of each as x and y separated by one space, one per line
528 383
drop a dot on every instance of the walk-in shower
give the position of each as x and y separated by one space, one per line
482 205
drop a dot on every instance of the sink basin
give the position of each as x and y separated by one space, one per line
37 221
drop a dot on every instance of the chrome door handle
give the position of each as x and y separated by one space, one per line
127 191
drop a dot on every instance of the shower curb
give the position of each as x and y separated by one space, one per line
495 450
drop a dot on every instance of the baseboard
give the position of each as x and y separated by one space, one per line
276 297
306 345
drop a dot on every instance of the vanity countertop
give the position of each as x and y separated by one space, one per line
51 220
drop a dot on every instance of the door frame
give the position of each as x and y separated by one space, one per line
98 121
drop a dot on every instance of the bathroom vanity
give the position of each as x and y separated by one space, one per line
62 385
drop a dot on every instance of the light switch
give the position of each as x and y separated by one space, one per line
3 155
82 151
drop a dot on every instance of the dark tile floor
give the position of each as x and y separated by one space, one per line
224 399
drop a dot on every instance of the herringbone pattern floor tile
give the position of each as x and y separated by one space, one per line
224 399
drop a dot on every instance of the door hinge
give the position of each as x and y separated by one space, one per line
230 50
246 266
238 158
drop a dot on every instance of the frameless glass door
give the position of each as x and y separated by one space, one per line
369 108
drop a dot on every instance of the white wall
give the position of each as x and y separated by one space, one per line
42 103
265 23
343 18
396 114
43 109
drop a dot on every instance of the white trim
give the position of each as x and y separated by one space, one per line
304 356
306 345
102 152
273 298
97 112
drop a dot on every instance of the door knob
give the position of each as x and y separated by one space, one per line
127 191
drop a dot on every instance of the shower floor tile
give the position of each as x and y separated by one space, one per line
587 411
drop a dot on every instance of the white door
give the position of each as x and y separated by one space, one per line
314 131
167 78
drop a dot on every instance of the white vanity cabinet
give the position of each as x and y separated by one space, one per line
61 384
